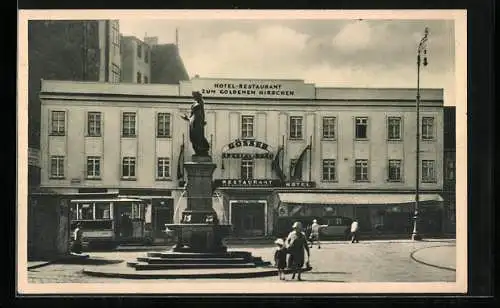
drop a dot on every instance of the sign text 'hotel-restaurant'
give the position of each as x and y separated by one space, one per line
270 89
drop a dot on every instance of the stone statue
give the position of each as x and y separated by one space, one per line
197 126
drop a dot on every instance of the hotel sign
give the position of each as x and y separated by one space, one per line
268 89
247 143
261 183
300 184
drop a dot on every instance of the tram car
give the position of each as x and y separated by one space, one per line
108 223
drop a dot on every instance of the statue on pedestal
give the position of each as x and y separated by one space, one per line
197 126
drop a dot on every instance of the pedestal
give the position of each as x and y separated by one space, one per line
199 230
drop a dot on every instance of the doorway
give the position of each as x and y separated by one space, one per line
248 218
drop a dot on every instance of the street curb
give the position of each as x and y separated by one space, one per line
412 256
62 259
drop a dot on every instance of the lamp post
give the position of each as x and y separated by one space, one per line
422 48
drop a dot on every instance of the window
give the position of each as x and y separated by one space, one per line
139 77
247 126
163 170
146 80
428 171
163 125
329 127
93 167
102 210
94 124
361 128
128 167
139 50
329 172
146 54
394 170
361 170
450 170
295 127
58 123
86 211
247 169
115 73
394 128
128 129
57 167
427 128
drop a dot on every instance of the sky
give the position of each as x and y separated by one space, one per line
326 52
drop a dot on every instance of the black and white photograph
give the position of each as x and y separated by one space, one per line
240 152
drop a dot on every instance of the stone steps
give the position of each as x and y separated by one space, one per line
185 255
148 266
156 260
171 260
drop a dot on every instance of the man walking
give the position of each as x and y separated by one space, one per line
314 236
354 231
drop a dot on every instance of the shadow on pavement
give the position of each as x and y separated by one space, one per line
89 261
343 273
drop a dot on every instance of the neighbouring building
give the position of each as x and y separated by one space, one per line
67 50
167 66
136 60
449 184
285 150
74 50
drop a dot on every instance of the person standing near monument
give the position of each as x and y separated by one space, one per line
197 126
296 244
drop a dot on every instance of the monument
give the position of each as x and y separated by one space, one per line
199 230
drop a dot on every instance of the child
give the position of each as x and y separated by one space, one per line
280 258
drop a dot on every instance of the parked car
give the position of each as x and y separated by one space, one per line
338 226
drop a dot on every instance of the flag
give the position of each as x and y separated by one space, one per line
180 164
297 167
276 166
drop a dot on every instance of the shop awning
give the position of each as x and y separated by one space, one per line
326 198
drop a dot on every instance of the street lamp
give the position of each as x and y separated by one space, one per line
422 48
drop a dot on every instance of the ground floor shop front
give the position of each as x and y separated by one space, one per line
266 211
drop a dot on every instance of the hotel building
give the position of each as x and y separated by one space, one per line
285 150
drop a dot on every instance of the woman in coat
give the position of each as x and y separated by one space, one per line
296 245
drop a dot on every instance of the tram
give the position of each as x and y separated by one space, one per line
110 222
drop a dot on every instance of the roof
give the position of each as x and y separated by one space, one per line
322 198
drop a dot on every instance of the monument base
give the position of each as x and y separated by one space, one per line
200 237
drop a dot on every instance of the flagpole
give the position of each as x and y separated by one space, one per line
282 162
310 158
183 156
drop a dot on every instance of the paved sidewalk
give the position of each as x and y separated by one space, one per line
59 259
443 257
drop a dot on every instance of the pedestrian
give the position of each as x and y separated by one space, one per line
354 231
76 246
314 236
296 244
280 258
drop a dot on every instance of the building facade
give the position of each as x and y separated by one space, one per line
285 150
67 50
136 60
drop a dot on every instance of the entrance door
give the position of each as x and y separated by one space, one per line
364 218
248 219
161 216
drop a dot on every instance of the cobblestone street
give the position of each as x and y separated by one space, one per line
376 261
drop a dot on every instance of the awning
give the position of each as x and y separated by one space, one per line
326 198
